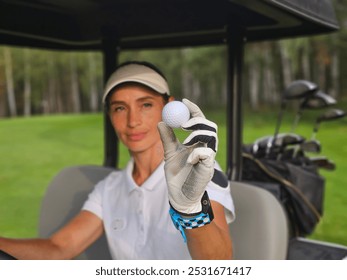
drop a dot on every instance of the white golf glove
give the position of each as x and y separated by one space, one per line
189 167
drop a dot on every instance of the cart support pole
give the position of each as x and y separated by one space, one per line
110 55
236 41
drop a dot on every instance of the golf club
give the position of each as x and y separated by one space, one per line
296 90
324 163
329 115
313 145
318 100
261 145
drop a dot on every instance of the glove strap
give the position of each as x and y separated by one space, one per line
190 221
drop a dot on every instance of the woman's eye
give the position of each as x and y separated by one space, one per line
118 108
147 105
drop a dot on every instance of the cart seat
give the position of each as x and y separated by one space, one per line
260 230
64 199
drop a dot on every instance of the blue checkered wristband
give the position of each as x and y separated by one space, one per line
191 221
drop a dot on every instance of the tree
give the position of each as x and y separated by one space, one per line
75 93
93 86
9 82
27 83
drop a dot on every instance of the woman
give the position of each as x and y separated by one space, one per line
132 206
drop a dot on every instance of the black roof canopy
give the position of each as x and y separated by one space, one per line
82 24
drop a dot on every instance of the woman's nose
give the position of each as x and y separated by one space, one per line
134 118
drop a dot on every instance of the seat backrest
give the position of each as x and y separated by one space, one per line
63 200
260 230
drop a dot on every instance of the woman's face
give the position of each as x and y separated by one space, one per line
135 111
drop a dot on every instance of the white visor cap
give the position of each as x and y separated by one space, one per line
137 73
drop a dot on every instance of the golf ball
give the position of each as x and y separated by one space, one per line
175 113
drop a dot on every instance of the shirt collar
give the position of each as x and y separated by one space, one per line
150 183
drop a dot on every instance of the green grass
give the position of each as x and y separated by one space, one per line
33 150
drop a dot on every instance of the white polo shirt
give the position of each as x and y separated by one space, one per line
136 219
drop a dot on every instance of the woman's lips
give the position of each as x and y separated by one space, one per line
136 136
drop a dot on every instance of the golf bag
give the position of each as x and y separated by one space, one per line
300 189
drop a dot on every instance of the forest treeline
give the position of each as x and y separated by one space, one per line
34 81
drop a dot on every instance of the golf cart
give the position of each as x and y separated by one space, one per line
110 26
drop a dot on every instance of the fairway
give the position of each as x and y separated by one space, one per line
33 150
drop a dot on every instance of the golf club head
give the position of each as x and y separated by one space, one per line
318 100
299 89
330 115
285 139
276 147
285 145
311 146
324 163
259 145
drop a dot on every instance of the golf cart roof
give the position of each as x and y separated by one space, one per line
82 24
